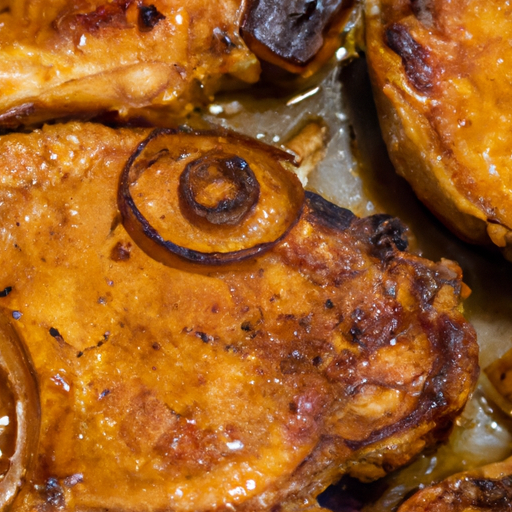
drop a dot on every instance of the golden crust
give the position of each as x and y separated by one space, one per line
84 58
167 390
439 72
147 61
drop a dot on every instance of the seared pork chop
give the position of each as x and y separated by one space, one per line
441 82
65 58
61 59
488 489
250 385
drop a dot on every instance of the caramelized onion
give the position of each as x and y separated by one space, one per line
295 35
15 365
198 199
230 206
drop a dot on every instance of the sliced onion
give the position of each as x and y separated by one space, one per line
15 364
226 207
207 198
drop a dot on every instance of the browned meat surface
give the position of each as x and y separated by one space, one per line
251 386
483 490
296 33
85 57
441 80
133 58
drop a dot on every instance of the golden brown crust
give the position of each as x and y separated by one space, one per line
146 61
482 490
299 35
259 384
155 58
439 76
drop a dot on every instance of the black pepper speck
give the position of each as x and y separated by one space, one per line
6 291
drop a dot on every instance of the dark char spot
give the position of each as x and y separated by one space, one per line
6 291
54 493
104 393
246 326
203 336
414 56
386 234
491 494
121 252
328 214
224 39
149 17
55 333
392 231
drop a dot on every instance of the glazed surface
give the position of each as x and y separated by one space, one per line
441 78
132 58
253 386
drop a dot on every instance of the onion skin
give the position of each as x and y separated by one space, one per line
15 362
274 184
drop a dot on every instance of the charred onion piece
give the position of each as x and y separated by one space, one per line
209 198
231 205
293 34
14 364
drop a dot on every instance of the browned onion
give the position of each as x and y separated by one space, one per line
294 35
198 199
231 207
15 364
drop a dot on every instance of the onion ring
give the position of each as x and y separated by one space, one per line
15 364
197 200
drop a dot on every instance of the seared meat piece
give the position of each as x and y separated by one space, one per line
132 58
249 386
90 56
483 490
440 76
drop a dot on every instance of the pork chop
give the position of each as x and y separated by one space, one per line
128 58
251 385
440 76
